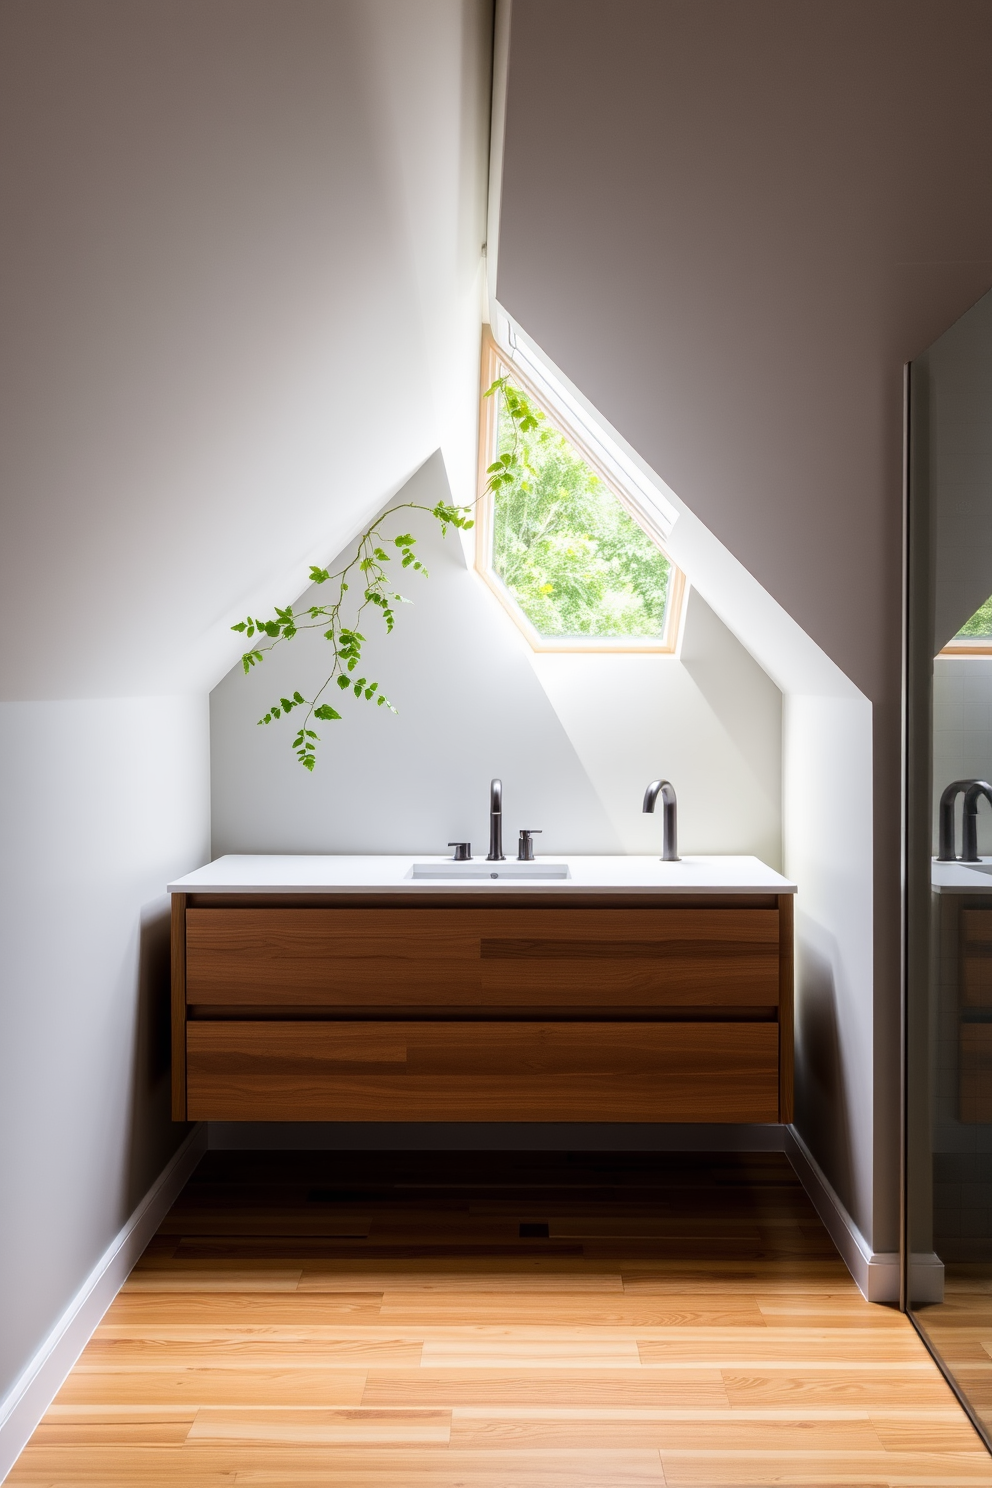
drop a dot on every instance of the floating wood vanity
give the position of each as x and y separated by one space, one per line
319 990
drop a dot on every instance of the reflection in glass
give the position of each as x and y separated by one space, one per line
979 627
948 1240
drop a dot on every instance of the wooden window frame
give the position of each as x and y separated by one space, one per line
982 647
494 363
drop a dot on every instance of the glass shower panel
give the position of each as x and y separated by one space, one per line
948 1242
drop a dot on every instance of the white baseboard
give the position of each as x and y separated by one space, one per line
876 1273
926 1278
39 1382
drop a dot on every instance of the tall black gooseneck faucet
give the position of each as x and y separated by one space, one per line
669 818
972 790
495 853
969 821
945 820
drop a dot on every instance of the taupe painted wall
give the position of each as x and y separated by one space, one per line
731 225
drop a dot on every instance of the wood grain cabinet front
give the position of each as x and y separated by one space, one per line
453 1012
481 1071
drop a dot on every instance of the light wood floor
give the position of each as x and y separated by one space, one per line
960 1329
470 1322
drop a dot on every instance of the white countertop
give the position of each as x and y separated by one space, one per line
961 878
289 874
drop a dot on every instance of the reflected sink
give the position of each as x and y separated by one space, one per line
488 871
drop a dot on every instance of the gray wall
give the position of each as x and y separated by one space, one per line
958 382
574 738
730 225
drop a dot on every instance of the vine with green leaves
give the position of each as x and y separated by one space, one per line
374 591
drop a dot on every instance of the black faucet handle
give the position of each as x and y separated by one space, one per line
525 847
463 851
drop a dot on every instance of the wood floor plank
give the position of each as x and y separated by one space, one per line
212 1386
875 1386
317 1427
535 1308
225 1308
154 1354
477 1430
207 1465
570 1387
532 1352
173 1277
741 1468
523 1273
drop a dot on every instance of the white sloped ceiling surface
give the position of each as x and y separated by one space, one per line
239 305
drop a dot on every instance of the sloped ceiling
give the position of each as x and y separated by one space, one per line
239 304
730 225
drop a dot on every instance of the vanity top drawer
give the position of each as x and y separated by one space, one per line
467 960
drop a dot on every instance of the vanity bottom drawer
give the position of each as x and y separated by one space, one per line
468 1071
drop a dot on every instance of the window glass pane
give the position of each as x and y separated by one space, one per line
980 625
572 557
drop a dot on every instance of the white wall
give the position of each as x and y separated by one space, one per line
101 803
828 849
574 738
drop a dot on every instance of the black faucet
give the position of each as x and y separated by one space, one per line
669 819
945 820
495 853
969 821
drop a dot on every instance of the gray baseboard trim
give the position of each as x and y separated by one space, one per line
39 1382
876 1273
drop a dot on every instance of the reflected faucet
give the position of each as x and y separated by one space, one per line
495 853
969 821
945 820
669 818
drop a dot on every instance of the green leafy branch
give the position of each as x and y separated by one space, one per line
368 571
512 467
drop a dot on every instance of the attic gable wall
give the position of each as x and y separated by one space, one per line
242 245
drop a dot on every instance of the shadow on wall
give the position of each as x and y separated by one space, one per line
821 1091
151 1138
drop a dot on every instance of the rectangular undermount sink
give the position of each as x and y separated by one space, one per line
489 871
978 867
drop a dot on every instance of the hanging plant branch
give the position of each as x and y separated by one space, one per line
368 572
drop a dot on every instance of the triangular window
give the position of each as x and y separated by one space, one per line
559 542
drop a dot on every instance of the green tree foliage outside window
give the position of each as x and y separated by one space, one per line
979 627
574 560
